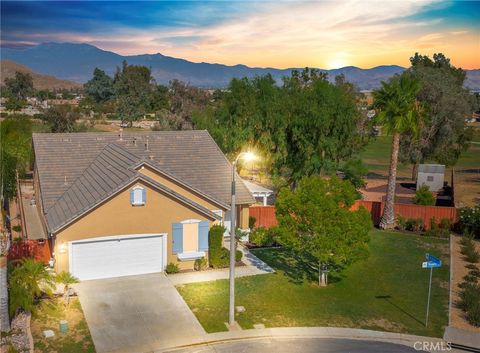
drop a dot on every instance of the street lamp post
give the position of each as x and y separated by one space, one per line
233 242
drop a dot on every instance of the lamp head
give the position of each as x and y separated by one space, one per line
249 156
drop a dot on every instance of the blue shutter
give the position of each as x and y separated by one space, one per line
203 236
177 237
132 196
144 195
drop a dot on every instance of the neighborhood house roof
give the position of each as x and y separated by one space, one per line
256 189
431 168
78 171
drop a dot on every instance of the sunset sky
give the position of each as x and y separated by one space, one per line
323 34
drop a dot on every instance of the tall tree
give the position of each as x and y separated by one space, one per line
315 221
61 118
100 87
20 86
400 114
444 134
133 87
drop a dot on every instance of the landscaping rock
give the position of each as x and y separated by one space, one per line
18 336
240 309
48 333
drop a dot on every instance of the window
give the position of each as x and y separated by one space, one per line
138 196
430 178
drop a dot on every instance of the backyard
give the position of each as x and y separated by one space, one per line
47 316
387 291
376 157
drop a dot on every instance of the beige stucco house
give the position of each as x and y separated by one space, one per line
117 204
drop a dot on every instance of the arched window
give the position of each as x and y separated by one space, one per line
138 196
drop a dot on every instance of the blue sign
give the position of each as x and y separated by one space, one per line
433 262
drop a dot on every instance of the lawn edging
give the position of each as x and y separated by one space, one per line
315 332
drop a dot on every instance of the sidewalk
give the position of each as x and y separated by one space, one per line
254 266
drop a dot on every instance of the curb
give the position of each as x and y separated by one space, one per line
307 332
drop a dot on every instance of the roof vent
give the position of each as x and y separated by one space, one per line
65 139
65 180
151 157
134 141
120 134
147 145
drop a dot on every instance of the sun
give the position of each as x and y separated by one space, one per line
337 62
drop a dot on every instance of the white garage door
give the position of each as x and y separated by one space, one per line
117 256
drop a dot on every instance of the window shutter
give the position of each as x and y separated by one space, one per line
132 196
177 236
203 236
144 196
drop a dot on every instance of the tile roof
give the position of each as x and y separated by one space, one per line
79 170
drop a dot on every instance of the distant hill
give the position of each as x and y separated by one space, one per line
43 82
76 62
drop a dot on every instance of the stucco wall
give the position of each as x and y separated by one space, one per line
117 217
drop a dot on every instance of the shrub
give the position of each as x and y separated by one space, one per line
470 302
172 268
215 238
355 171
468 250
251 222
414 225
401 223
264 236
423 196
441 229
470 220
17 228
200 264
238 256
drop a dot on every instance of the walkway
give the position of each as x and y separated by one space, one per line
34 228
254 266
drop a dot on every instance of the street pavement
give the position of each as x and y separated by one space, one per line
297 345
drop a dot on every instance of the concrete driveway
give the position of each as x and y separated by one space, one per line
136 314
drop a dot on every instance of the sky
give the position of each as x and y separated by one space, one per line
281 34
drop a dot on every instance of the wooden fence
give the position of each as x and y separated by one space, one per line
265 215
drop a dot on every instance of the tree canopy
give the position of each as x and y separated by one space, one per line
443 135
100 88
61 118
315 221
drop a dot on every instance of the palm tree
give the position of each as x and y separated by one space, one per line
399 114
67 279
27 282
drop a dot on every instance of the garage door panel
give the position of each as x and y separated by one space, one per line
115 257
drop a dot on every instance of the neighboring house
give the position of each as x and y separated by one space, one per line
130 203
259 192
431 175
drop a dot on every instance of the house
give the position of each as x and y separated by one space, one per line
116 204
432 175
259 192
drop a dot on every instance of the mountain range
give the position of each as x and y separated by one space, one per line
76 62
40 82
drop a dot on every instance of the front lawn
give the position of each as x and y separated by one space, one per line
387 291
47 316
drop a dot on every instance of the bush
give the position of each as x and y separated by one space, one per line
470 302
200 264
470 220
414 225
401 223
441 229
17 228
355 171
238 256
172 268
215 237
423 196
251 222
264 237
468 250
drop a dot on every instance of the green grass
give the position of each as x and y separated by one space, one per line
387 291
47 316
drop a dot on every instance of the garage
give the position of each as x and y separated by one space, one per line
116 256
